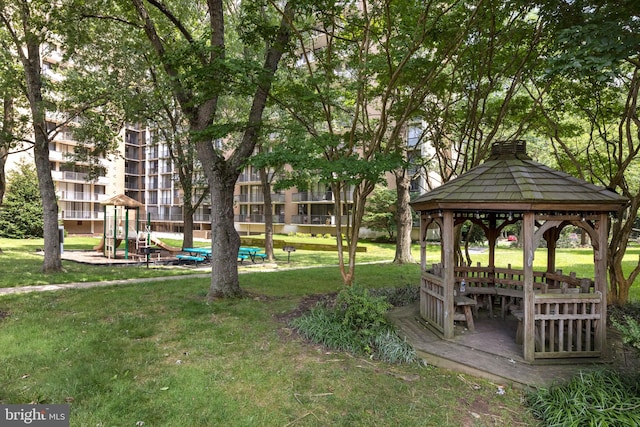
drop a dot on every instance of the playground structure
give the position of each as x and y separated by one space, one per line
120 227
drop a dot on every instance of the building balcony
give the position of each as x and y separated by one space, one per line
103 180
77 215
202 218
133 170
316 219
258 198
75 176
160 216
258 218
249 177
81 196
314 196
56 156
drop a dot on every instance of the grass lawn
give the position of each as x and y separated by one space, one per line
158 353
21 265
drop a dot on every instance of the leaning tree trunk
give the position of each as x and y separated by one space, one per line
268 214
31 63
188 209
3 179
7 129
619 284
404 219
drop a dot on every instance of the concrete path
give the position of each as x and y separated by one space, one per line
86 285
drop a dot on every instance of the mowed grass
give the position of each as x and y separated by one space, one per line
160 354
21 265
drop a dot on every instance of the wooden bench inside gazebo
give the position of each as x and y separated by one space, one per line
559 315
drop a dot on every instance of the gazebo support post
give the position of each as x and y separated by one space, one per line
551 237
115 229
104 230
492 238
424 227
600 259
528 256
126 233
449 275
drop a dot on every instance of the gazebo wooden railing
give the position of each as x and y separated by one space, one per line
567 309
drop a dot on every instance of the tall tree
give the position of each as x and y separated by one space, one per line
590 107
202 71
482 97
364 72
158 108
27 23
108 55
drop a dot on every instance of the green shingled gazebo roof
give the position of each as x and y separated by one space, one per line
510 180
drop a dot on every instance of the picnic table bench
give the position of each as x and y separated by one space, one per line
252 253
183 258
466 316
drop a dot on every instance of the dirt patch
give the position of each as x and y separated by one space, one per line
4 314
306 304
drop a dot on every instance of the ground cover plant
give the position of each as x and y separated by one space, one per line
355 321
599 398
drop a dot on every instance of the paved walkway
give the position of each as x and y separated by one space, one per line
86 285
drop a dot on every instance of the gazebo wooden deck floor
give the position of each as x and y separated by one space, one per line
500 359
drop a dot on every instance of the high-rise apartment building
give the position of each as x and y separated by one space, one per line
143 170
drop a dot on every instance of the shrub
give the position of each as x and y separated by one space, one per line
355 322
598 398
360 311
21 213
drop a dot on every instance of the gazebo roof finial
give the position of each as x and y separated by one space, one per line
509 149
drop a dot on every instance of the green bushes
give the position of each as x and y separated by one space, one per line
21 211
599 398
355 322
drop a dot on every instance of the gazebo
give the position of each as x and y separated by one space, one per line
560 315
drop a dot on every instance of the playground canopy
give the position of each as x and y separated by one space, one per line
122 200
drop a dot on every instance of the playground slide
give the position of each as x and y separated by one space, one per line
100 246
163 245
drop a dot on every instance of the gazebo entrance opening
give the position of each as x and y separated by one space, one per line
559 315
